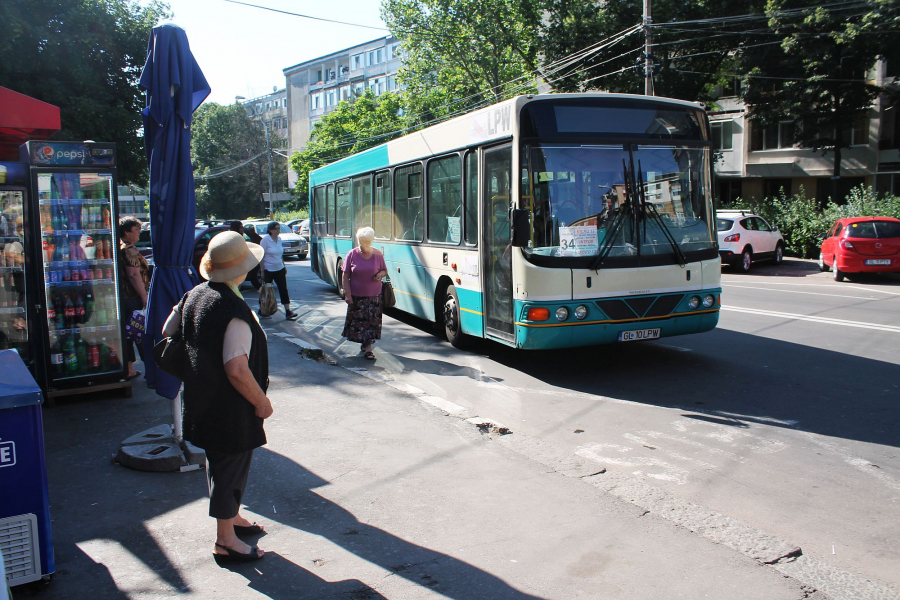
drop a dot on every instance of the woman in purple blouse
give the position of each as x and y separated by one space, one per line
364 268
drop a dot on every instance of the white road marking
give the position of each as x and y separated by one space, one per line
832 286
669 471
824 320
753 287
860 464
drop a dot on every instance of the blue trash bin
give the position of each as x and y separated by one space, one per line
25 538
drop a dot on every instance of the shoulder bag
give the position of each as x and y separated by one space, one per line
388 299
169 353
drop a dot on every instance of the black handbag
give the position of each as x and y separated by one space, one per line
170 355
387 294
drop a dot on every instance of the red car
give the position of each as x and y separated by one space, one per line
861 245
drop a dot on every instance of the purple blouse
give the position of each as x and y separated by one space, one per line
362 270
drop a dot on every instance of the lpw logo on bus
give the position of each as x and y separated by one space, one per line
7 454
498 120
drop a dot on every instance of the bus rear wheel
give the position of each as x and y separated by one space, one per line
340 279
452 326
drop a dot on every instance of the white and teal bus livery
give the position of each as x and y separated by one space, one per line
546 221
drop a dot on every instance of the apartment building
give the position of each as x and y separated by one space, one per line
756 162
316 87
271 108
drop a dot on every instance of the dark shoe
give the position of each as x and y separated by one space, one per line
247 530
291 315
235 556
130 377
370 355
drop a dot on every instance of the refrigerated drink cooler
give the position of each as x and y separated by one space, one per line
67 228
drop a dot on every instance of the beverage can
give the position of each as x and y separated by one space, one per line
109 273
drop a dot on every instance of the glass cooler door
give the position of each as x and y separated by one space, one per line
80 275
13 317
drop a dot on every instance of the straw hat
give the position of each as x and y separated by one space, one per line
229 256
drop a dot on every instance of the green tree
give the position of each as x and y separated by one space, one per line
84 56
458 53
820 74
693 44
228 151
352 127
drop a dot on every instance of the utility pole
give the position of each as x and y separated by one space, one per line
648 61
269 156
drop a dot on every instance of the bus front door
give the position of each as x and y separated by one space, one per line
496 251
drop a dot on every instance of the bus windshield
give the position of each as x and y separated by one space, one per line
622 202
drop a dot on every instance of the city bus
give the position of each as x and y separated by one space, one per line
543 221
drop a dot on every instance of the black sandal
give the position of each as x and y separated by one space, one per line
248 529
235 556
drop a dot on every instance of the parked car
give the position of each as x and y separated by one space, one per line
745 238
300 227
202 236
293 244
861 245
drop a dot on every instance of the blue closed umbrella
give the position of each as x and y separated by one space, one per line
175 88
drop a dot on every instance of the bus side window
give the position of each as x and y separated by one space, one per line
318 221
362 202
408 203
342 203
382 208
472 198
329 209
444 200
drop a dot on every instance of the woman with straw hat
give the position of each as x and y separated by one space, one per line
225 381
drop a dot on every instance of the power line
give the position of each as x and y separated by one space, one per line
293 14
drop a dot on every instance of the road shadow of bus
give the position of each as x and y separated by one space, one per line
734 377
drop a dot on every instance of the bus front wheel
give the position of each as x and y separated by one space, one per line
452 326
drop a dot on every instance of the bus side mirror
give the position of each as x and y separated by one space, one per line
521 228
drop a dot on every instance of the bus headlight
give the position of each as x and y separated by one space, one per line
580 312
708 301
562 313
694 302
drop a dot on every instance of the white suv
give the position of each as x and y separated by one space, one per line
745 238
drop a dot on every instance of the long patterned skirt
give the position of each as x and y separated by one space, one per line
363 322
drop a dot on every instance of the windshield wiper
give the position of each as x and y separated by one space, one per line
616 226
649 209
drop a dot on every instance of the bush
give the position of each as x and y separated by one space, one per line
289 215
802 222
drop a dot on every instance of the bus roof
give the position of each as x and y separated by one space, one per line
492 123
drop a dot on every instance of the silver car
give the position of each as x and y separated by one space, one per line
294 245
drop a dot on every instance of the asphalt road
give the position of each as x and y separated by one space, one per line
785 418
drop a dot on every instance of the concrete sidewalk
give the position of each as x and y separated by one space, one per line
366 492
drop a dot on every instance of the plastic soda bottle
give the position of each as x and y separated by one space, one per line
104 355
93 356
70 312
81 355
113 358
88 307
70 359
56 360
79 309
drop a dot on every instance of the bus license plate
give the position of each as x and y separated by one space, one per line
639 334
879 261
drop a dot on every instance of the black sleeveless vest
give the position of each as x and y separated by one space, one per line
216 416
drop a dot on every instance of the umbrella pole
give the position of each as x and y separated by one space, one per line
176 415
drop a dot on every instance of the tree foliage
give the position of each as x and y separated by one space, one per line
690 59
458 53
352 127
819 73
84 56
223 139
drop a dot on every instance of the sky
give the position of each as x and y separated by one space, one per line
243 50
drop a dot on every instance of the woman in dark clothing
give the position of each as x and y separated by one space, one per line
225 381
134 282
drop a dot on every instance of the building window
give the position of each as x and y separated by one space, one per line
772 188
284 103
772 137
722 133
858 135
315 101
357 61
331 99
358 89
730 190
888 183
345 92
377 85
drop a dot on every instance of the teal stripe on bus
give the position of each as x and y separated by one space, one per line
369 160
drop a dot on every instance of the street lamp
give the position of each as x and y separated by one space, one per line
237 99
